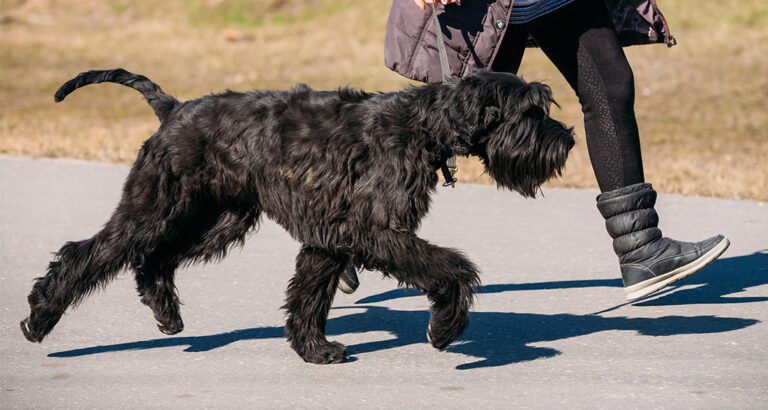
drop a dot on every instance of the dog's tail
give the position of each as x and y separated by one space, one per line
161 102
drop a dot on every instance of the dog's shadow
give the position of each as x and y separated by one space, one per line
497 338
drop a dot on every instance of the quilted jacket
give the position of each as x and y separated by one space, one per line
474 31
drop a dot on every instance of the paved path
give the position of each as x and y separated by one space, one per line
549 330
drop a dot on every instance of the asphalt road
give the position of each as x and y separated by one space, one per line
550 328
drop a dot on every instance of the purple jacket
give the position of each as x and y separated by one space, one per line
474 30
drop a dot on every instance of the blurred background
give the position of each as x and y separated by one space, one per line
702 106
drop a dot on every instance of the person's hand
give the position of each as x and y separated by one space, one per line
422 4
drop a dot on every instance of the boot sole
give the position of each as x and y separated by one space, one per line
653 285
346 289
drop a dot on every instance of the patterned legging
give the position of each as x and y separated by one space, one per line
584 46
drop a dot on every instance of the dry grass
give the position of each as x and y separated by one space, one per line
702 106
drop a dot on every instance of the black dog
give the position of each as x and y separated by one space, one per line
348 174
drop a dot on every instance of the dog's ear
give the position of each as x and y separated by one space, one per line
537 96
491 116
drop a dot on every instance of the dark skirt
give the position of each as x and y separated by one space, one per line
545 19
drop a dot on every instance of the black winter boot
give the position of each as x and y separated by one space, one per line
348 281
648 261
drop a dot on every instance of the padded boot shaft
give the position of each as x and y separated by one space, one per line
630 217
644 255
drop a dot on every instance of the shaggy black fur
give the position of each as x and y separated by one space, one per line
347 173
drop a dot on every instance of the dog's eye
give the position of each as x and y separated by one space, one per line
536 113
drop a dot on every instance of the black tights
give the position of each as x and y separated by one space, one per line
585 48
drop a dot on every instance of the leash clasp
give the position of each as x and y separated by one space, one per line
450 169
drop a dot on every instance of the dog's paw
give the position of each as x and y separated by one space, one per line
326 353
440 335
170 326
29 332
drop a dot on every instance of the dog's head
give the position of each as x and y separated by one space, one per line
505 121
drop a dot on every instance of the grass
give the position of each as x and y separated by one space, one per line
702 106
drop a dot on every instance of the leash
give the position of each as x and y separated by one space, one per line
449 167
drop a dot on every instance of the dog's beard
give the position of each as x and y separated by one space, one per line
522 155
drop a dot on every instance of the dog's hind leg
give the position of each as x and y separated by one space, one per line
446 276
78 269
157 290
309 297
206 235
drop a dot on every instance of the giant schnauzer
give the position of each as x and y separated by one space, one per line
347 173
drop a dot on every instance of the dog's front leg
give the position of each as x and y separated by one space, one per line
445 275
309 298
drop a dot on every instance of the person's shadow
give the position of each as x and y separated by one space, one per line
498 338
724 277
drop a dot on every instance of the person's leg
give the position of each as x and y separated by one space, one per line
510 52
586 50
